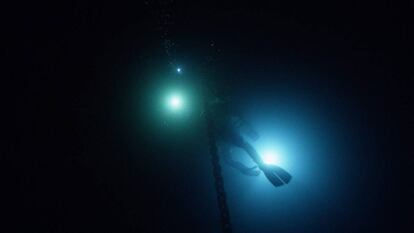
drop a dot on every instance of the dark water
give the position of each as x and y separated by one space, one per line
94 147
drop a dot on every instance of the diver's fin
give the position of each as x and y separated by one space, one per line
276 175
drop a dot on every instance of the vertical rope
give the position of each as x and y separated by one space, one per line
218 178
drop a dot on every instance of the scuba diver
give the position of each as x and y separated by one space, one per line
231 130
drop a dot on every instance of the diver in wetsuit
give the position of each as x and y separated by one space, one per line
230 129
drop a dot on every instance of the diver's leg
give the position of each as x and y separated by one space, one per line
251 152
241 167
275 174
228 159
233 137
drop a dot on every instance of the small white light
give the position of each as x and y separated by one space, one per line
179 70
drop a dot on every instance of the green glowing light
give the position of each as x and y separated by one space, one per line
175 102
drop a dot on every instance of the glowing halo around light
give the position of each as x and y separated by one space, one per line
175 102
271 157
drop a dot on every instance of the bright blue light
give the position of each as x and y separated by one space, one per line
271 157
179 70
273 151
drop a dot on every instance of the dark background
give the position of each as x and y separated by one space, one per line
72 163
